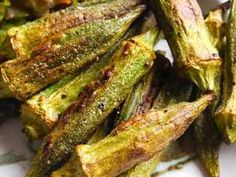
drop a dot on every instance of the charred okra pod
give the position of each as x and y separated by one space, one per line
184 27
40 113
25 38
174 91
24 77
207 136
139 139
226 113
132 60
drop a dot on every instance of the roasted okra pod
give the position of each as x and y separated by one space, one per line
26 39
132 61
66 54
184 27
40 113
207 136
139 139
226 113
172 92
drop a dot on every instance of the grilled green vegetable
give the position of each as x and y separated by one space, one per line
25 38
72 50
133 60
138 101
185 30
40 113
132 107
226 113
207 140
139 139
207 136
174 91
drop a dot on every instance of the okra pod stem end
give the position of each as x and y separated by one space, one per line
206 76
35 125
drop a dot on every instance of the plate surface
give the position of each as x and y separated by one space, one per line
13 140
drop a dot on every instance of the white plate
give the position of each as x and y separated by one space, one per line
12 139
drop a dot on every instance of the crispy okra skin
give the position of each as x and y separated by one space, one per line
134 59
139 139
185 30
70 52
226 113
40 113
26 37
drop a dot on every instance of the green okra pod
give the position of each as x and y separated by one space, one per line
185 30
206 135
25 38
74 49
132 60
139 139
174 91
138 101
226 113
134 102
40 113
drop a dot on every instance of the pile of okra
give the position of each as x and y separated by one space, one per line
88 83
